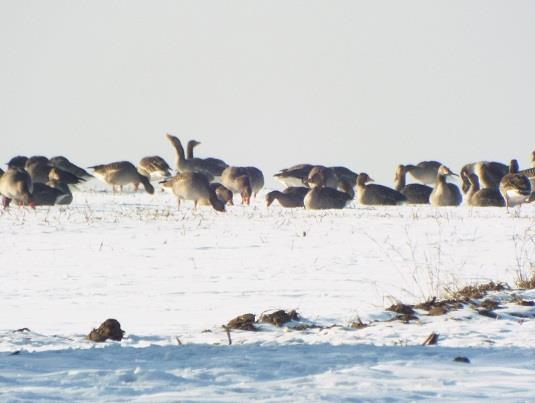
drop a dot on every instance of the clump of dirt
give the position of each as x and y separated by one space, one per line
489 304
243 322
109 329
431 340
279 318
477 291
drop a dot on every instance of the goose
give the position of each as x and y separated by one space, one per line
64 164
154 167
237 180
38 170
294 176
489 173
425 171
324 198
222 193
321 176
372 195
445 194
120 174
46 195
289 197
217 165
515 187
190 165
16 184
193 186
17 162
477 197
256 178
416 193
346 174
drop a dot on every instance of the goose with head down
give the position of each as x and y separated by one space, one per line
122 173
291 197
194 186
237 180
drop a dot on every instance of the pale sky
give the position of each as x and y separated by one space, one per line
365 84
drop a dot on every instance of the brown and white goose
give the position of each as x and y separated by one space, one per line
193 186
154 167
515 187
16 185
184 164
445 194
216 165
325 198
424 172
122 173
237 180
294 176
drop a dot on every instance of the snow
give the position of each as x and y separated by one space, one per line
168 274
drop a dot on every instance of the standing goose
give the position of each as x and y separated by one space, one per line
425 171
289 197
193 186
190 165
294 176
154 167
16 184
17 162
325 198
237 180
120 174
256 178
416 193
376 195
515 187
477 197
445 194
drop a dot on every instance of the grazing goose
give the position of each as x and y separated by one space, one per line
425 171
16 184
289 197
64 164
120 174
191 165
416 193
294 176
193 186
485 197
515 187
222 193
445 194
217 165
376 195
154 168
325 198
256 178
237 180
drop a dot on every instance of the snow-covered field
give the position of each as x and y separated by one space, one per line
168 274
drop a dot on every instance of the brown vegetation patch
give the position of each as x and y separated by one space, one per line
243 322
477 291
279 318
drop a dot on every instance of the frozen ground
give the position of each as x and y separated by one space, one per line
165 273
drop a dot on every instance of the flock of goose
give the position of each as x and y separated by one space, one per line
39 180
